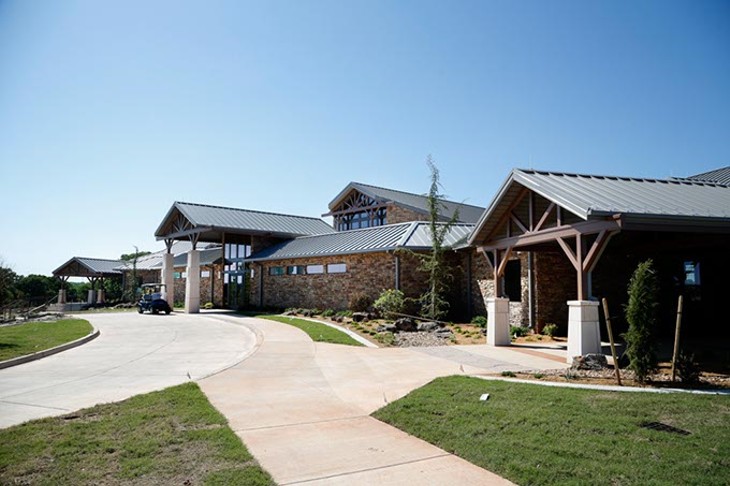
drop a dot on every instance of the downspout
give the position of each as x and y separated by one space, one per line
261 284
397 271
469 303
530 290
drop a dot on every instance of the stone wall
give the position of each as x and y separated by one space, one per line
482 287
397 214
555 285
211 287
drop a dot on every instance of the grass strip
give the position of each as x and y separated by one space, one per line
173 436
533 434
317 331
31 337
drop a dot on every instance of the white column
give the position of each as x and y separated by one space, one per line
192 283
62 296
584 334
91 297
498 321
168 278
100 296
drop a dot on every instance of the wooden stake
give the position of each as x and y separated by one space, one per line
676 337
610 338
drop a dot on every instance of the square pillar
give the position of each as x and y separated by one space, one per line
168 278
498 321
91 297
584 334
62 296
192 283
100 296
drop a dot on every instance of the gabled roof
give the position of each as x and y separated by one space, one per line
212 221
718 176
88 267
415 202
661 201
413 236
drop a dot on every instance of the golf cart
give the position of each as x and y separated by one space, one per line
152 300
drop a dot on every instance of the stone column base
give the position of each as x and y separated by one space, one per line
498 321
584 334
168 278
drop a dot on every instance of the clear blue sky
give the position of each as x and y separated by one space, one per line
110 111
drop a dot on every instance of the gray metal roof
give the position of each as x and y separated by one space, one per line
718 176
243 221
414 236
591 196
415 202
88 267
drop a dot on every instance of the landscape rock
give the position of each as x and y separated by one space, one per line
290 313
386 328
590 361
406 324
360 316
427 326
444 332
419 339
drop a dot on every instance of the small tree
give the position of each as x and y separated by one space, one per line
390 303
433 304
642 316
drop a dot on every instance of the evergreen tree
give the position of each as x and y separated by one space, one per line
642 316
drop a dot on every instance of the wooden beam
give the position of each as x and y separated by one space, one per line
581 275
568 252
495 274
551 234
597 250
519 223
490 264
503 262
185 234
544 217
506 215
531 211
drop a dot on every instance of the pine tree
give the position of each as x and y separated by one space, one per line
642 316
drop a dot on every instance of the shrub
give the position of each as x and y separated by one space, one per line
389 303
386 338
641 314
509 374
687 368
518 331
480 321
344 313
328 313
550 330
208 305
360 302
316 312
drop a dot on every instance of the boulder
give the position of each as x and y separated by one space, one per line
444 332
386 328
406 324
360 316
428 326
590 361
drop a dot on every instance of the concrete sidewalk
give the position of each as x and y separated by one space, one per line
302 408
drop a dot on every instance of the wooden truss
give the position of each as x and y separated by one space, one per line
582 241
357 203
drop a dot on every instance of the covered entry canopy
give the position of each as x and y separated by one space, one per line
578 215
89 268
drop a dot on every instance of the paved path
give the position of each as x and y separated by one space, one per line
134 354
302 408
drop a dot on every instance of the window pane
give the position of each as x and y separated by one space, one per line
336 268
312 269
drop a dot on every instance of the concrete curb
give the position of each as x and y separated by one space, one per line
352 334
604 387
49 352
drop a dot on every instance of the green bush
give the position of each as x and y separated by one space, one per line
389 303
360 302
508 374
316 312
642 316
328 313
344 313
208 305
550 330
687 368
480 321
518 331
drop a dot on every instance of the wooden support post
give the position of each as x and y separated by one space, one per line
610 339
676 337
495 272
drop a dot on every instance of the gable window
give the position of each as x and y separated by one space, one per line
359 211
314 269
276 270
296 270
336 268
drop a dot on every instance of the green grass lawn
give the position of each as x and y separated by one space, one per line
173 436
318 332
32 337
534 434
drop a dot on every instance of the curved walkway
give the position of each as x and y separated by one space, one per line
302 408
134 354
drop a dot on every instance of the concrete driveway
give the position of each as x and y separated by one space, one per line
134 354
303 408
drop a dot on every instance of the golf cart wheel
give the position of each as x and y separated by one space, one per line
139 309
167 311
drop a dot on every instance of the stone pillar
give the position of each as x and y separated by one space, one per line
91 297
62 296
168 278
100 296
584 334
192 283
498 321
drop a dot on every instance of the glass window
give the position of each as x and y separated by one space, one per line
296 270
336 268
176 275
184 274
205 274
313 269
691 273
276 270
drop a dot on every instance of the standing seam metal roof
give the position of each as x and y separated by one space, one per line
202 215
467 212
94 265
413 235
718 176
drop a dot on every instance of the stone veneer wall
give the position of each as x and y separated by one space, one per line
216 274
482 287
555 285
397 214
